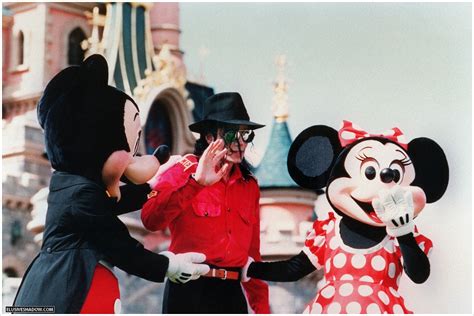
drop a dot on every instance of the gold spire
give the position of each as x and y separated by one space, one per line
280 88
93 44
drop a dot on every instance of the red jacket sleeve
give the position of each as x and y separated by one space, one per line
172 192
257 290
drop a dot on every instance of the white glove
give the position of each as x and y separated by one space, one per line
394 207
244 277
185 266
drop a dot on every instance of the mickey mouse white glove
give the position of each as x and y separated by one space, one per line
394 207
185 266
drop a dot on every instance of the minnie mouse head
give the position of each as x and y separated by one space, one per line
356 167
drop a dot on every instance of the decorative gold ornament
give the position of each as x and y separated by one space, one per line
166 72
280 88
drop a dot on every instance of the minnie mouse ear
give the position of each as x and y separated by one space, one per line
95 71
312 156
431 167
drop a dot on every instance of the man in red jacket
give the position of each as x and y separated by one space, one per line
210 202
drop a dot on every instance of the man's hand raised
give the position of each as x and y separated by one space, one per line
210 167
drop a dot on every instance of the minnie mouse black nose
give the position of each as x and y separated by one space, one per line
387 175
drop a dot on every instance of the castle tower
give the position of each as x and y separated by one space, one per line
286 210
285 207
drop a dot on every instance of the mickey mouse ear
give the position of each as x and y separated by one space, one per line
312 155
56 88
95 71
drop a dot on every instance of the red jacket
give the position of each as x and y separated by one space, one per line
222 221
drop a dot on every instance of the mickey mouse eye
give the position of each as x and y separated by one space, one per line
370 172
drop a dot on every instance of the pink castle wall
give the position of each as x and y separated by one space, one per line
61 24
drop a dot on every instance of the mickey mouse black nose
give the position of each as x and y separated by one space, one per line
387 175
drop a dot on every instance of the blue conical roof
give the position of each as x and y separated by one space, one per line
272 171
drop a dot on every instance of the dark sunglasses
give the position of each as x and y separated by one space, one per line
232 135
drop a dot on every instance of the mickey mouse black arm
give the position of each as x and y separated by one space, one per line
415 261
289 270
133 197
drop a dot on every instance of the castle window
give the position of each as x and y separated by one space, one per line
21 48
158 127
10 272
75 54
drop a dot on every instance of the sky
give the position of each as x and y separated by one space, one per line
379 65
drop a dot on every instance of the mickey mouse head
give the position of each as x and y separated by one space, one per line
356 166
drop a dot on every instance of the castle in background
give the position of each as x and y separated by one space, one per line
141 44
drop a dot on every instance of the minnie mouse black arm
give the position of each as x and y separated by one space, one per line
415 261
289 270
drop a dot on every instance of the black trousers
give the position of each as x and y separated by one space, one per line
204 296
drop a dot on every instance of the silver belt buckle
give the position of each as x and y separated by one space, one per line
225 274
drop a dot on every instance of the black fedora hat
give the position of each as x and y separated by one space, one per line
224 108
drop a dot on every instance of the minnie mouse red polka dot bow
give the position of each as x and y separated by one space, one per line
350 133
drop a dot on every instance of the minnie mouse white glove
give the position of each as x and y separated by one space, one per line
394 207
185 266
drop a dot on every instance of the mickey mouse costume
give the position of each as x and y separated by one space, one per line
92 133
376 185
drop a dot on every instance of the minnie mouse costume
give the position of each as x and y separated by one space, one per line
376 185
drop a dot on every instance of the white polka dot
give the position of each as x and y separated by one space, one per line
325 226
401 139
330 227
398 279
318 241
334 308
347 277
373 309
353 308
389 132
383 297
378 263
392 268
358 261
346 289
397 309
117 306
356 127
316 309
389 246
422 245
339 260
333 243
367 278
348 135
328 265
365 290
394 293
328 291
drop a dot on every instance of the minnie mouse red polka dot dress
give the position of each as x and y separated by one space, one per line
358 281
